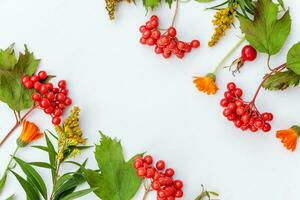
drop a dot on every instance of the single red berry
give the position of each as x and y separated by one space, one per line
154 17
44 89
266 127
148 159
238 92
231 86
178 184
181 45
155 185
28 85
55 90
150 172
161 194
270 116
68 101
166 54
61 97
57 112
253 128
170 198
44 103
178 193
154 23
143 40
172 32
245 118
150 41
228 95
238 123
180 55
158 50
232 117
165 40
195 43
138 163
169 172
224 102
231 106
160 165
64 91
248 53
62 84
37 86
42 75
239 103
258 123
141 171
142 29
49 110
36 96
25 79
227 112
155 34
56 120
49 86
34 78
50 96
240 110
61 106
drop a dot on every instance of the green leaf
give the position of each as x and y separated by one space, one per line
8 58
52 156
12 92
2 181
293 58
33 176
11 197
118 179
151 3
266 33
31 192
281 80
42 164
78 194
204 1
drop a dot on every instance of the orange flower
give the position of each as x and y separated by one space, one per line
206 84
289 137
30 133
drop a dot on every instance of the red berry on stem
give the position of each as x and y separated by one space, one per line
57 112
49 86
25 79
36 96
142 28
154 23
49 110
61 97
44 89
166 54
141 171
245 118
154 17
150 41
169 172
155 34
172 32
178 184
34 78
155 185
179 193
28 85
68 101
150 172
231 86
228 95
138 163
42 75
240 110
44 103
248 53
56 120
160 165
148 159
62 84
195 44
158 50
238 92
224 102
37 86
143 40
266 127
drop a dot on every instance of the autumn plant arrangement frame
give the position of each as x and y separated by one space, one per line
25 89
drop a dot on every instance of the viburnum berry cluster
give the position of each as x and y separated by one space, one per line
53 100
160 178
165 43
243 114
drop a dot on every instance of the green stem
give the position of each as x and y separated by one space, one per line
10 161
237 45
55 179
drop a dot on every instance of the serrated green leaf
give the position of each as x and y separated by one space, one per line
12 92
33 177
118 179
42 165
281 81
78 194
8 58
293 58
266 33
151 3
31 192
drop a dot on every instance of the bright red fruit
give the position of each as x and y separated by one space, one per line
248 53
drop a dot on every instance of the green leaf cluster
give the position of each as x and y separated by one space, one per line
118 179
12 68
155 3
64 187
266 33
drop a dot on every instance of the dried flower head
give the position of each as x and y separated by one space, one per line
206 84
69 136
111 7
222 21
30 132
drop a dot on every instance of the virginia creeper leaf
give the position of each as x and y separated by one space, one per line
281 81
293 58
266 33
118 179
12 92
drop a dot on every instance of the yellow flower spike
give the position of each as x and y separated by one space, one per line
30 132
206 84
289 137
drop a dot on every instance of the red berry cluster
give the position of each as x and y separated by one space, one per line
166 43
243 114
52 100
161 180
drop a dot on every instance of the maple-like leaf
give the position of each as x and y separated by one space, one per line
266 33
118 179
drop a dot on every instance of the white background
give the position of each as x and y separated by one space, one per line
128 92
